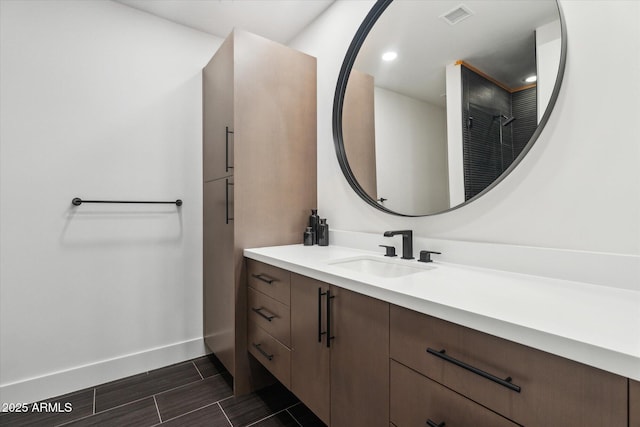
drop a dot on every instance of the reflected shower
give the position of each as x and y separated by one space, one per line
507 120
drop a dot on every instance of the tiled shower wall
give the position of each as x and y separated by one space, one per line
488 147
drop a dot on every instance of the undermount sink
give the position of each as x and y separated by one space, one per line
381 267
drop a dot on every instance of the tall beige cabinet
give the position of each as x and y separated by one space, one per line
259 170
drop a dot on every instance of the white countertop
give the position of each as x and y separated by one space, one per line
595 325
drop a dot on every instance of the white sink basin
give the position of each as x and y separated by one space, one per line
381 267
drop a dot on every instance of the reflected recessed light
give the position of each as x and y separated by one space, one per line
389 56
531 79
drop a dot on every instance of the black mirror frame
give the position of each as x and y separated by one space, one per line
338 102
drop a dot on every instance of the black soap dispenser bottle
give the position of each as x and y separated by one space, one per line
323 233
314 220
308 237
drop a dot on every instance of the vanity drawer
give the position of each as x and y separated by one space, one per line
272 281
553 390
270 353
271 315
415 399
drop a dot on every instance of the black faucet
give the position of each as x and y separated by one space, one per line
407 242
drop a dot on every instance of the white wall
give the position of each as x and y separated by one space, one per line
411 153
579 186
98 101
548 52
455 141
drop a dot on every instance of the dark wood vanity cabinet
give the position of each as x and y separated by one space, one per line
525 385
345 381
333 353
358 361
634 403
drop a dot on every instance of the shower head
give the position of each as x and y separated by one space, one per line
508 120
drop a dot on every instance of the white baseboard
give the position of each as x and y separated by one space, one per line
99 372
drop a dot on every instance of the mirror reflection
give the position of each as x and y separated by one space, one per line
444 96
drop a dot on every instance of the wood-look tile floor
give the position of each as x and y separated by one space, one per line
193 393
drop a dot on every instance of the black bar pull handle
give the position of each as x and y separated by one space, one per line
269 317
264 278
320 333
431 423
329 336
262 352
228 218
226 150
77 201
503 382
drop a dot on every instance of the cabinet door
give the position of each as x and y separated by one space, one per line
359 360
217 106
309 353
634 403
218 262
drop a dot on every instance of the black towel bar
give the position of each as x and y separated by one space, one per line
77 201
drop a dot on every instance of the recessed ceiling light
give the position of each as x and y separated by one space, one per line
531 79
389 56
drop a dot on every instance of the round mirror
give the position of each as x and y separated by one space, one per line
437 101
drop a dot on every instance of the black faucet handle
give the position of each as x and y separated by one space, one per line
391 250
425 256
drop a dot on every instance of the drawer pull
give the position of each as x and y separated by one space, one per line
433 424
264 278
226 150
229 218
259 311
320 333
329 336
262 352
505 383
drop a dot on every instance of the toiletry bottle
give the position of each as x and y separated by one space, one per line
314 220
308 237
323 233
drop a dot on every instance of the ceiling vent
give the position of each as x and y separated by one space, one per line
456 15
